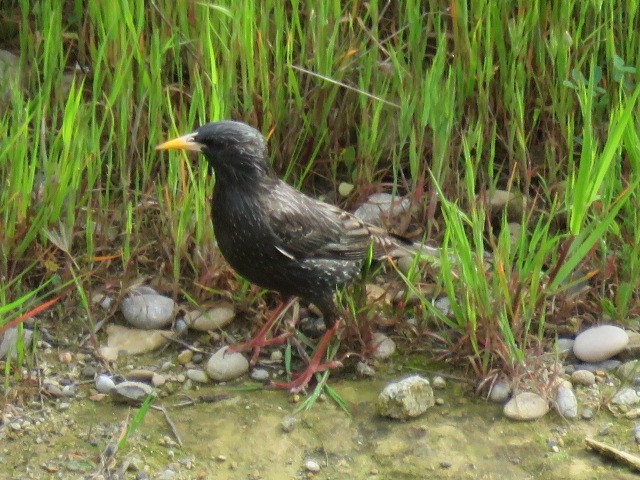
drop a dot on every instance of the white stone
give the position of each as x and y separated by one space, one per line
406 398
224 366
383 347
147 311
600 343
583 377
215 317
133 391
500 391
104 384
566 403
526 406
197 375
132 341
381 205
9 342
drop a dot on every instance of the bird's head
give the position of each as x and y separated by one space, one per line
235 150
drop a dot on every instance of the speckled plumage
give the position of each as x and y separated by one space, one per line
274 235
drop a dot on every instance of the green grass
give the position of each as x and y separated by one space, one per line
443 101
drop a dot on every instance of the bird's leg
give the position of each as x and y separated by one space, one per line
261 340
315 365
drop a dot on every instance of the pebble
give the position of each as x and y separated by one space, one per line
443 305
132 391
215 317
288 423
185 357
312 466
383 346
500 391
605 365
9 342
260 374
583 377
158 380
197 375
132 341
89 371
626 396
564 346
222 367
439 382
103 300
636 433
526 406
566 403
276 356
365 370
147 311
628 371
380 206
406 398
587 413
600 343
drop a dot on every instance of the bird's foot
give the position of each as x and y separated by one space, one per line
257 343
302 378
261 340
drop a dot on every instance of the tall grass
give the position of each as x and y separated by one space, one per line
445 101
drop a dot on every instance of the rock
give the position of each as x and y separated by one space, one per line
382 346
110 354
375 294
606 366
406 398
600 343
526 406
147 311
185 356
564 346
197 375
9 75
628 371
288 423
583 377
103 300
500 391
259 374
365 370
513 202
443 305
9 343
215 317
566 403
380 207
132 391
626 396
439 383
312 466
131 341
406 264
515 232
222 367
157 380
104 384
344 189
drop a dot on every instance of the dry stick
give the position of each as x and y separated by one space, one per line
172 425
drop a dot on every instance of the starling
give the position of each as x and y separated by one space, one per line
277 237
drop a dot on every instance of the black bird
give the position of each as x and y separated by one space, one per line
277 237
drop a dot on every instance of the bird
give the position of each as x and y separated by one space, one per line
278 237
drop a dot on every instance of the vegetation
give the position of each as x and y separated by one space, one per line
445 102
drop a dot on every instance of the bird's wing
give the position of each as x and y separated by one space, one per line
308 228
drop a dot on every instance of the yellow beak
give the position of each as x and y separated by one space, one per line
185 142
